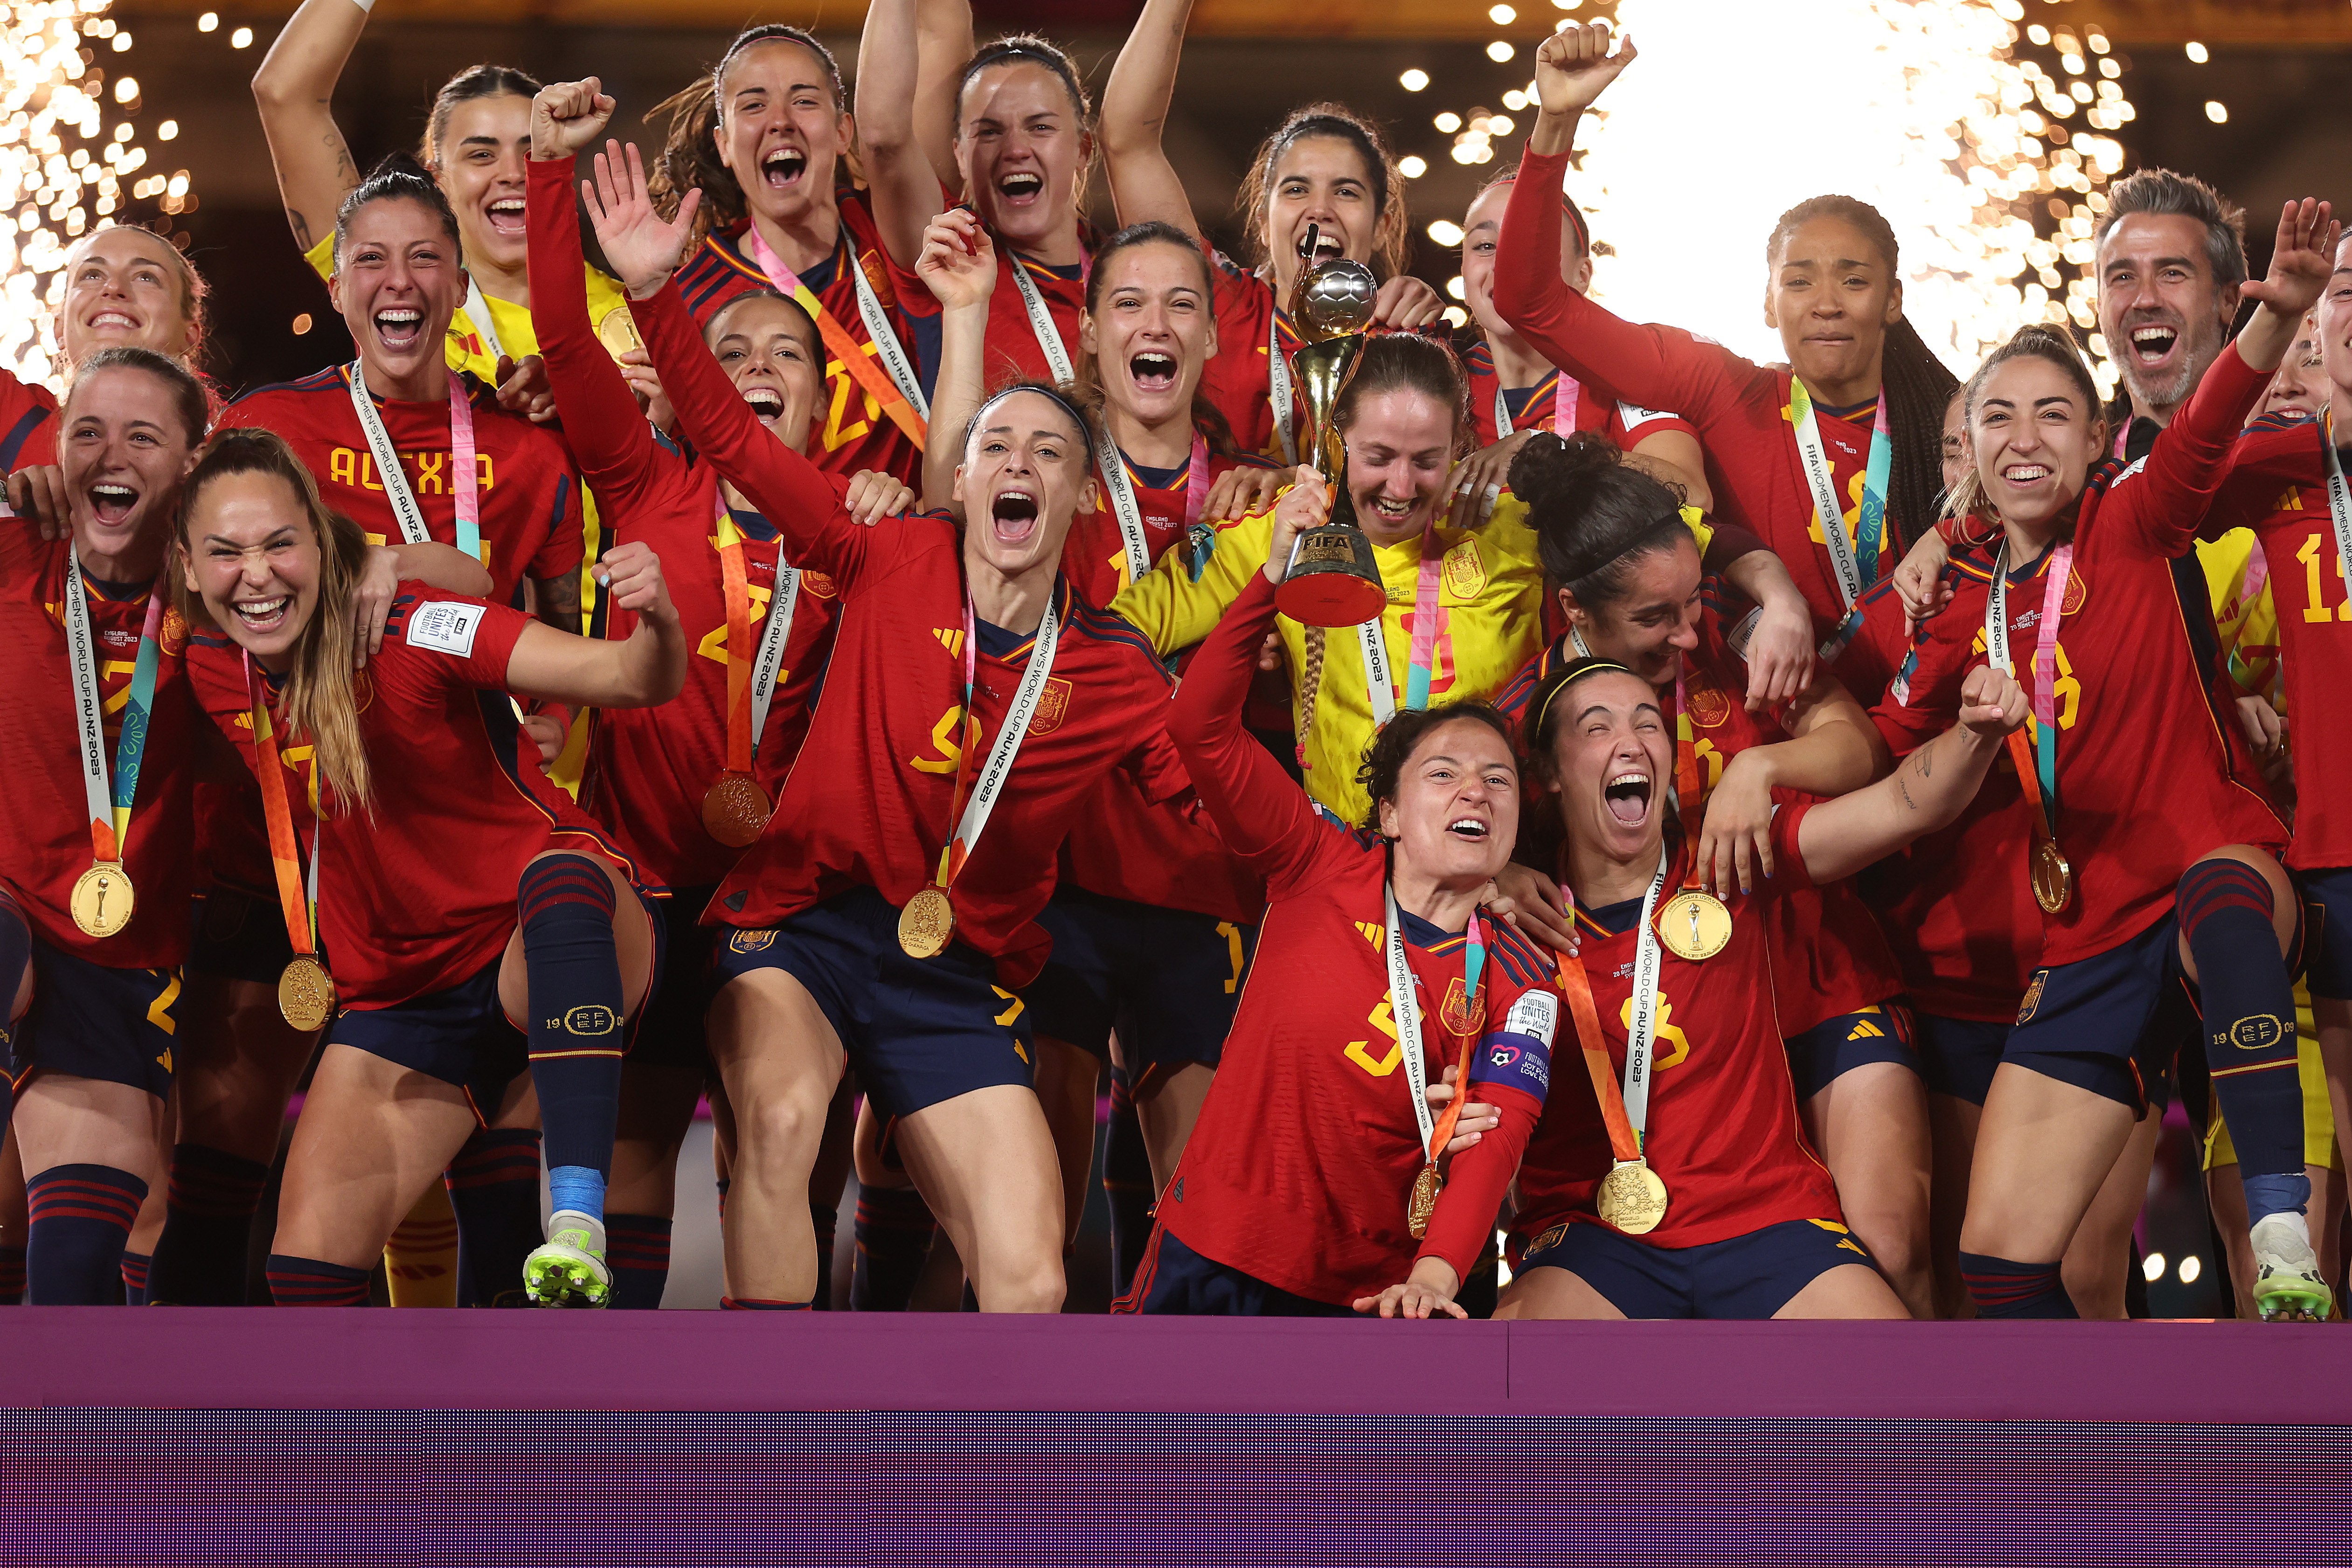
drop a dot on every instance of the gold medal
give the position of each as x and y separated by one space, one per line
1423 1203
2053 878
735 810
926 924
1694 924
1631 1197
306 994
102 899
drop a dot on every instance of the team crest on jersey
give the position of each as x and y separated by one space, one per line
1455 1009
820 583
752 940
878 276
173 636
2032 996
1464 573
1708 705
1053 706
2077 591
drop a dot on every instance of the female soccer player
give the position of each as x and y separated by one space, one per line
686 783
764 137
95 873
1324 173
1023 141
1690 1191
476 136
888 915
2139 892
1309 1187
423 803
1629 591
1857 442
420 455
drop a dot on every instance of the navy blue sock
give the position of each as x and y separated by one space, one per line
2225 908
12 1272
894 1230
1127 1185
200 1260
565 905
136 1267
16 955
494 1191
308 1282
81 1216
636 1247
2003 1289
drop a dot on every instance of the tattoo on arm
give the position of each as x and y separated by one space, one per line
303 238
1906 790
1926 755
557 601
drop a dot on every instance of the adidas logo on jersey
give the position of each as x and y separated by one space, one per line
950 638
1374 934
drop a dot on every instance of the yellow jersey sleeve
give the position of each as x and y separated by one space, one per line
1168 606
2248 623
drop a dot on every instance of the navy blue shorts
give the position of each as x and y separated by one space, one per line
669 1028
1173 1279
1835 1047
2327 931
2112 1023
460 1035
89 1021
919 1031
1166 980
239 937
1958 1056
1751 1275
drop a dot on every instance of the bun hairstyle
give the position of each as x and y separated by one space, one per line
321 695
1393 746
2037 341
473 82
1594 514
1915 383
689 155
1343 124
398 178
1207 418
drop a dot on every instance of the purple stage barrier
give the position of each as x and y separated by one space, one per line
255 1436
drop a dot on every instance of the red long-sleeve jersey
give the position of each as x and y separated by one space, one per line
45 838
2277 486
649 767
2139 693
28 426
1302 1161
418 894
851 432
872 808
1741 409
1623 424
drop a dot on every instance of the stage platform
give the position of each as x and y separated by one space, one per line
191 1435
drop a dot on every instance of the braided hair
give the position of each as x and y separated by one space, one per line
1915 383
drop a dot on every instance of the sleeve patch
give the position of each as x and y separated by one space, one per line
1536 1015
1632 413
446 627
1513 1060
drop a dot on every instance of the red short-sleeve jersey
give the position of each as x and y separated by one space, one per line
2277 486
1013 351
2137 692
530 507
28 426
419 895
1539 407
45 820
1723 1132
1094 557
851 432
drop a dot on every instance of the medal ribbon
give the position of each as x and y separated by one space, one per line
109 802
896 389
1624 1143
1041 321
1278 379
2339 504
2037 766
1566 395
1404 1010
1197 534
972 813
750 679
1853 574
300 903
1643 1033
1690 794
466 498
477 311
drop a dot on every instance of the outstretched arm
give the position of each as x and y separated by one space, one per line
1839 838
904 189
295 90
643 669
1143 184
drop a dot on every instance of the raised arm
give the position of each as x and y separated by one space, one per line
643 669
943 44
601 423
903 187
1143 184
295 90
1839 838
959 263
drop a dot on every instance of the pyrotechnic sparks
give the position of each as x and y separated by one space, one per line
68 159
1946 115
